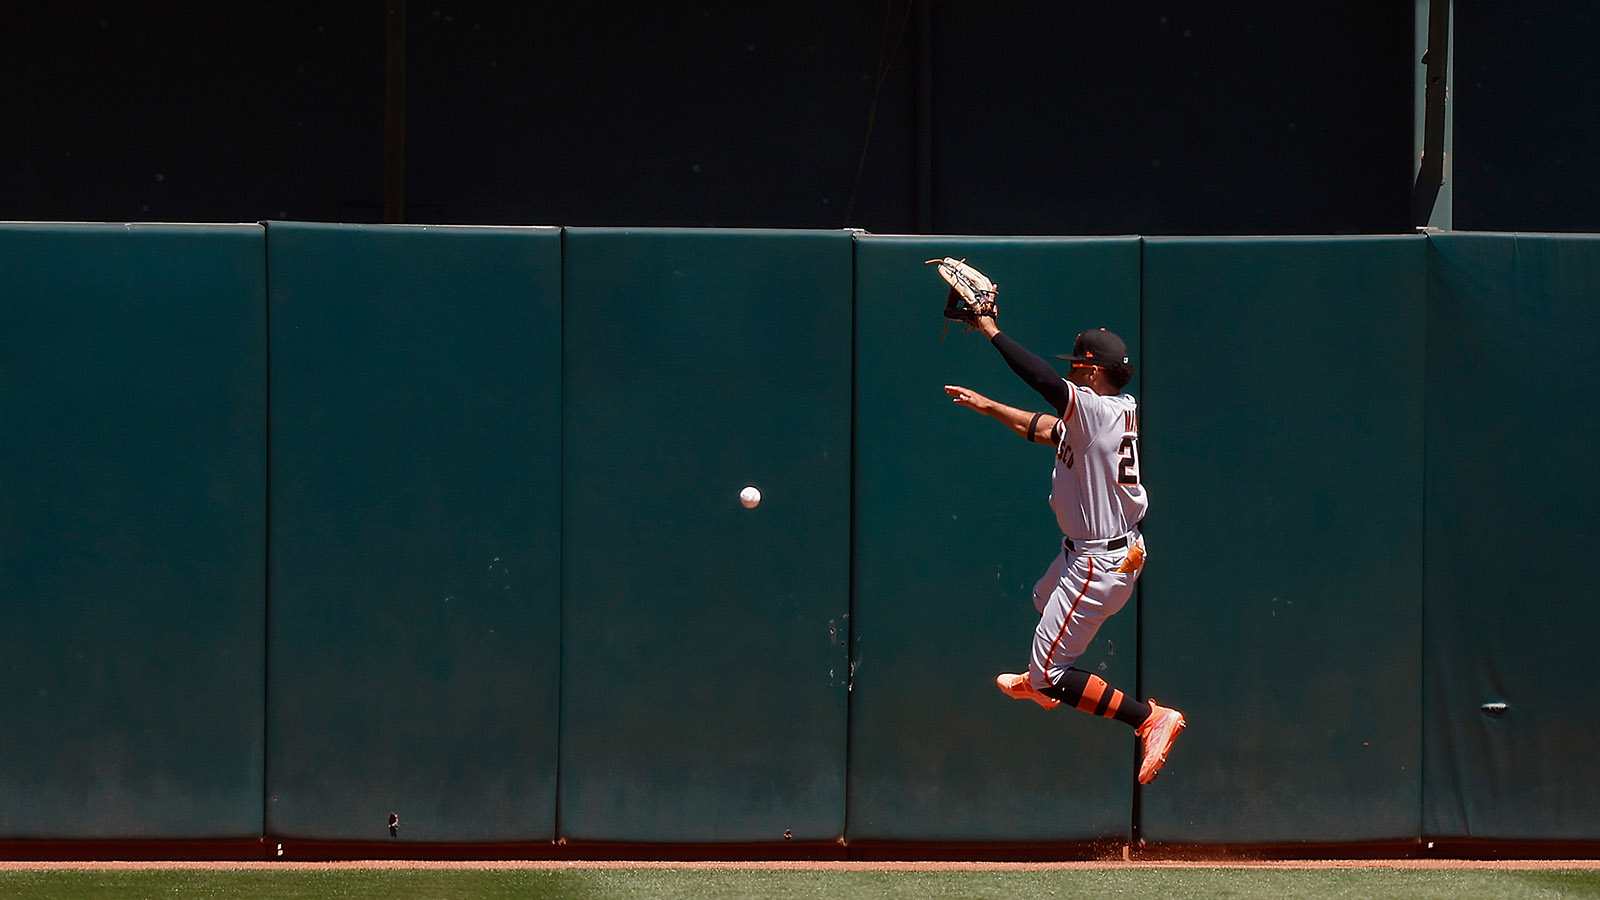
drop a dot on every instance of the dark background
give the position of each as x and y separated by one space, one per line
956 116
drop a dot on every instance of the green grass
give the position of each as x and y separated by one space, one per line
694 884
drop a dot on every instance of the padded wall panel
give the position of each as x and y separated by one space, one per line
1513 379
1283 443
132 525
704 669
415 593
953 527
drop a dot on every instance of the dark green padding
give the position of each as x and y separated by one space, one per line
704 672
953 527
415 594
1513 385
132 520
1282 603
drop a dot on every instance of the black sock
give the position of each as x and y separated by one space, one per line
1090 693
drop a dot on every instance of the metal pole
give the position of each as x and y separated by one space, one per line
1430 172
394 113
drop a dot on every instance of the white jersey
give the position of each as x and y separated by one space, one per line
1095 492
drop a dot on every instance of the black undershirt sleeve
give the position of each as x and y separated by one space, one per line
1038 374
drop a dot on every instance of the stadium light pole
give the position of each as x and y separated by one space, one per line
1431 193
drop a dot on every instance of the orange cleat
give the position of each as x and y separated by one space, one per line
1021 688
1158 733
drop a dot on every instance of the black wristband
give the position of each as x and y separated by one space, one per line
1032 425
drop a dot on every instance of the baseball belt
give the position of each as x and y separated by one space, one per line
1109 544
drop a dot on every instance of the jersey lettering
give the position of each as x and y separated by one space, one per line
1128 467
1096 491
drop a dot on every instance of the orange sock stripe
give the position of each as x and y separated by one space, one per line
1113 706
1092 693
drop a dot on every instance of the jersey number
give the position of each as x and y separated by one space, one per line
1128 469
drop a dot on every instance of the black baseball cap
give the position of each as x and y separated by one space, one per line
1099 348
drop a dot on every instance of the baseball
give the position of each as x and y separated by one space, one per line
750 497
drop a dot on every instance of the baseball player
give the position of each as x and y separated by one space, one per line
1098 500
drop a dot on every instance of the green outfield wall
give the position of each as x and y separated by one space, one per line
1282 601
704 671
1513 383
302 526
952 528
133 465
414 610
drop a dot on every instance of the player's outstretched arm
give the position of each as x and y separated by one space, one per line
1036 427
1035 372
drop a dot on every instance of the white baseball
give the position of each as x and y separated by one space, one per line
750 497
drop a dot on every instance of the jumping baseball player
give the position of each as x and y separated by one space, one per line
1098 500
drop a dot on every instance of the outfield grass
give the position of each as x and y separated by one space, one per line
695 884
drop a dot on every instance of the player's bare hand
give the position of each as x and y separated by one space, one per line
969 398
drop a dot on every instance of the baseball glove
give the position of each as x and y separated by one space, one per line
971 295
